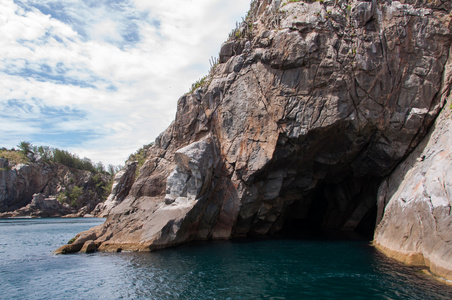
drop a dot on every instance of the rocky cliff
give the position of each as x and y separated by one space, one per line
122 183
48 189
312 106
416 227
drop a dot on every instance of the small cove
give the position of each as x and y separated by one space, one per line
251 269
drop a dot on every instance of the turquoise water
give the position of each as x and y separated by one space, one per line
262 269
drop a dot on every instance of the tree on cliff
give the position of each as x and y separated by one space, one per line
25 147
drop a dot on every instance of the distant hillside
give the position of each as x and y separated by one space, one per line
44 181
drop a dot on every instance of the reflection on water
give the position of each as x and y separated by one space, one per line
265 269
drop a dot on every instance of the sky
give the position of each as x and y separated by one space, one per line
101 78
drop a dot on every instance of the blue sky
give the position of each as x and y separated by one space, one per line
101 78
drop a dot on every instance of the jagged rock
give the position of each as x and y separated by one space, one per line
122 183
303 123
40 206
19 184
3 163
193 172
230 49
89 247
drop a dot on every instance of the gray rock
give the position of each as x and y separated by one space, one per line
296 128
3 164
193 172
122 183
20 183
416 226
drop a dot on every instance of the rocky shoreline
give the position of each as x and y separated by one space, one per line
49 189
314 119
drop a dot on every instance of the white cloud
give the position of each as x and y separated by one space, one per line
123 66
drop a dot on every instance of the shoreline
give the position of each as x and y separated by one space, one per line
414 259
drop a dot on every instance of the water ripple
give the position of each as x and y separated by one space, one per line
268 269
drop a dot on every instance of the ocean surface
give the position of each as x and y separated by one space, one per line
257 269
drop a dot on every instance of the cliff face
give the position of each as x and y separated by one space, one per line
32 190
310 108
416 227
122 183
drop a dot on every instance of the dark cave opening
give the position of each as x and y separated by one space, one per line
327 184
334 210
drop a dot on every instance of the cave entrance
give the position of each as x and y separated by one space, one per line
345 209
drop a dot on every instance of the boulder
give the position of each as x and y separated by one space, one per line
89 247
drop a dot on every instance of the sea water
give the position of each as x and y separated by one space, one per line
251 269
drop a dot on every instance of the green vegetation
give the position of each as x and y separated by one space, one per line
14 157
107 188
28 153
290 1
73 161
100 184
72 240
74 194
140 156
112 170
242 30
25 148
349 9
214 61
197 84
71 196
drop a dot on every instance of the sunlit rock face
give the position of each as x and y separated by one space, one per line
310 108
122 183
416 226
32 189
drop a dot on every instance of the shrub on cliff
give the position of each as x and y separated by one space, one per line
140 155
29 153
14 157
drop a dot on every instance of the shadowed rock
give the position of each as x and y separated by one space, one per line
32 189
295 129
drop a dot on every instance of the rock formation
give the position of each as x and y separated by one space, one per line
122 183
310 109
416 227
40 206
32 190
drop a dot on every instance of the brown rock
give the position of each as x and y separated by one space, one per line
89 247
20 183
296 131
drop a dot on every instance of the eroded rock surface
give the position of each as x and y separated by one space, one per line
294 130
122 183
417 223
32 190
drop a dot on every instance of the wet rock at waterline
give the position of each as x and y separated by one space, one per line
416 227
311 107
